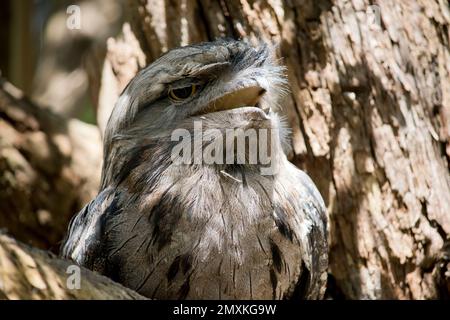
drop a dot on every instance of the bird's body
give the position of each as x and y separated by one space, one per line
196 230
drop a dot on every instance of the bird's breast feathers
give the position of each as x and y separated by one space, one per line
238 235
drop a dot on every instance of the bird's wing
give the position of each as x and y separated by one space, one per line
311 228
84 240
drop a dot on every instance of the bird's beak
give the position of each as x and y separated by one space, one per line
245 97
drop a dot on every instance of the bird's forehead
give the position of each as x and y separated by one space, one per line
201 54
183 61
208 52
186 60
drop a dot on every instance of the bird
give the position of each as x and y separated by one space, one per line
171 225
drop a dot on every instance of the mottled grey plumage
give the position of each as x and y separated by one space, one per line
201 231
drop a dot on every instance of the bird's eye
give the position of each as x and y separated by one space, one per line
181 94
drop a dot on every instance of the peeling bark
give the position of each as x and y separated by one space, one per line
370 114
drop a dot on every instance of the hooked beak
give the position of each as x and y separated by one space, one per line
244 97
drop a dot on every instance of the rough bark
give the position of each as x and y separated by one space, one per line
29 273
49 168
370 114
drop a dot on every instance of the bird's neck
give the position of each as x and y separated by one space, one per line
252 147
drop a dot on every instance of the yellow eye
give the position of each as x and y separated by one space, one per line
181 94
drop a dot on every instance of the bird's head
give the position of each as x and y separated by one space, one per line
225 83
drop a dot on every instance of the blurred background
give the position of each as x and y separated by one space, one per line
48 61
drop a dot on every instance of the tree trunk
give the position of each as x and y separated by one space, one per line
28 273
49 168
370 116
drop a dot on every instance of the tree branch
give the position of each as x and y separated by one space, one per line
49 168
29 273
